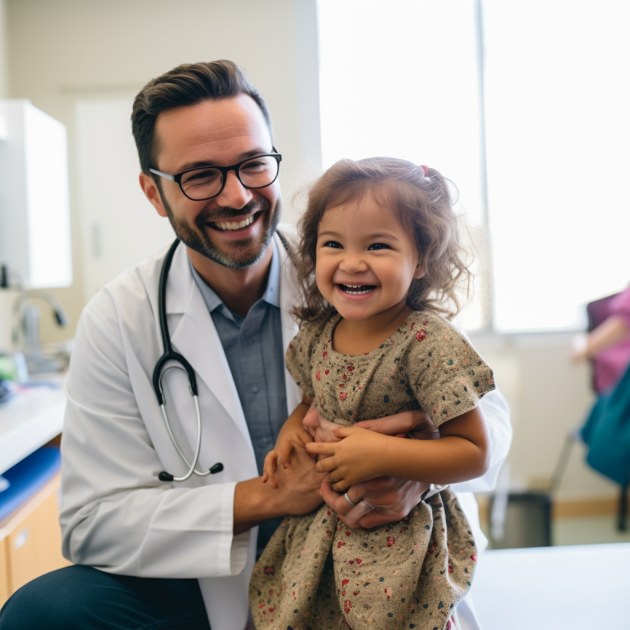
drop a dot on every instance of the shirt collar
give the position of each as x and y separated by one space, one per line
271 295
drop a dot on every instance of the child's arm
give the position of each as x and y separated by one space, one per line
460 454
585 346
292 432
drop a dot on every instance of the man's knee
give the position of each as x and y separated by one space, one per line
83 597
44 602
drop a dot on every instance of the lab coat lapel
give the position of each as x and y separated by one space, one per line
196 338
289 297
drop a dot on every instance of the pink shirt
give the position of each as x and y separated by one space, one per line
610 364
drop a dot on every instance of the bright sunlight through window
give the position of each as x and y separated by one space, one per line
528 101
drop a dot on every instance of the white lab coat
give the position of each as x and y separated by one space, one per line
115 514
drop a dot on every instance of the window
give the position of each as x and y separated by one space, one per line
538 120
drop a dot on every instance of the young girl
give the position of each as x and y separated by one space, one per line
379 258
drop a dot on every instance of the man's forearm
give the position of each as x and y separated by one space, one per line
255 502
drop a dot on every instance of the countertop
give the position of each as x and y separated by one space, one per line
31 418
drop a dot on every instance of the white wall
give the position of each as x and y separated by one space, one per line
68 51
118 226
549 397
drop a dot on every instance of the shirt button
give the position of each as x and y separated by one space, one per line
255 390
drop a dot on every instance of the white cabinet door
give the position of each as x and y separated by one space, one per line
119 226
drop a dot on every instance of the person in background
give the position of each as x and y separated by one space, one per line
606 431
609 342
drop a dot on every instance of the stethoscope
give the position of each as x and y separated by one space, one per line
158 374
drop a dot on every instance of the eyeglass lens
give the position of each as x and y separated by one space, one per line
203 183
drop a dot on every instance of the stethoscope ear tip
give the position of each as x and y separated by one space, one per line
164 476
217 468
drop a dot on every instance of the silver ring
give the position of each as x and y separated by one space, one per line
372 507
348 499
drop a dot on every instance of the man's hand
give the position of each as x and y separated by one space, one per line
393 498
299 483
416 424
280 456
389 499
298 492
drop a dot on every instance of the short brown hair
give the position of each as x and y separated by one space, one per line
423 204
188 84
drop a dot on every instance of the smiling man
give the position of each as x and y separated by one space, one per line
154 545
234 233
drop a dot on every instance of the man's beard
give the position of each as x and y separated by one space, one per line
199 241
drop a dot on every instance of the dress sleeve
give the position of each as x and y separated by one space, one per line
446 374
298 357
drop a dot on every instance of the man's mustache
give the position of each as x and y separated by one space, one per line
225 213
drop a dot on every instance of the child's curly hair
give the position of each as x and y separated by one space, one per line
424 206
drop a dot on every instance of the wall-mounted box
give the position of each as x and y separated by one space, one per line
34 204
8 299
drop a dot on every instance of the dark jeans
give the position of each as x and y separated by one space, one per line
85 598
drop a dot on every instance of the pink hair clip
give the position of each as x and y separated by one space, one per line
425 169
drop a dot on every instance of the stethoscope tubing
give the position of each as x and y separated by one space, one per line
159 371
191 467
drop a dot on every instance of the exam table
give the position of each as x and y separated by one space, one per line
584 587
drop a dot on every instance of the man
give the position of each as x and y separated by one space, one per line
177 554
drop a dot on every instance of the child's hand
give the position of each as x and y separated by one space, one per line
320 429
280 454
288 439
353 460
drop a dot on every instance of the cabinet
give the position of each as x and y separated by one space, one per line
30 540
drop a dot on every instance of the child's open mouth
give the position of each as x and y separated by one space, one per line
356 289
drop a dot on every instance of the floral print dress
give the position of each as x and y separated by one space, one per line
316 573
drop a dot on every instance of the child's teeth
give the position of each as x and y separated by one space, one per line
352 288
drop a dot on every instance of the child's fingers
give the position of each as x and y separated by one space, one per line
305 437
270 462
310 422
327 448
343 432
269 468
326 465
335 476
271 479
284 453
341 486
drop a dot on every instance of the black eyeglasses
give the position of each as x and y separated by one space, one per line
199 184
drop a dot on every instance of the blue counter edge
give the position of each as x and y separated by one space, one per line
27 477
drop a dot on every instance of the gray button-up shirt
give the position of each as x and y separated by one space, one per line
254 350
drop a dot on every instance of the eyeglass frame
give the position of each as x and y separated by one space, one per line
224 171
